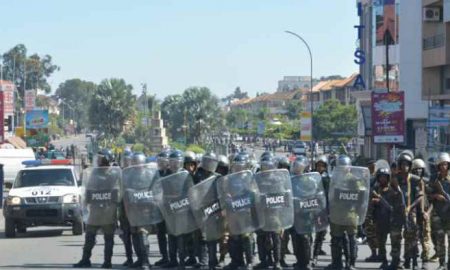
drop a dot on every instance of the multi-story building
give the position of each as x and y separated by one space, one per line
436 71
290 83
392 42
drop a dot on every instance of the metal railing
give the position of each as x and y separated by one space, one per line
433 42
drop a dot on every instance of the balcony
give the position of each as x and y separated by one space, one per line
431 2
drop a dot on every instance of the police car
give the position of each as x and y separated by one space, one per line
45 193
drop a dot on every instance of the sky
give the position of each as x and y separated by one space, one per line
174 44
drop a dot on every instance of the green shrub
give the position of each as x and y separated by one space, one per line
195 148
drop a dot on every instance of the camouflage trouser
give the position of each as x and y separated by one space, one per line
396 241
411 236
440 229
371 233
425 238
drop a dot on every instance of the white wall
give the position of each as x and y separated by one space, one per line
411 58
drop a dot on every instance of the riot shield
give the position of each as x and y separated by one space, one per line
174 203
310 203
238 196
206 208
349 195
101 195
275 210
138 197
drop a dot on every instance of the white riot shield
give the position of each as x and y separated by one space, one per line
139 200
310 203
238 196
349 195
174 202
101 195
205 205
276 209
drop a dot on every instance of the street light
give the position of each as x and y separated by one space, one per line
310 91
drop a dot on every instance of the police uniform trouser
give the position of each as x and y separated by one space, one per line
338 233
242 245
425 237
126 235
411 236
141 244
200 247
318 242
269 242
302 249
162 239
89 243
176 246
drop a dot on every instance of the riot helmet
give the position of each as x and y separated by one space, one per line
138 159
300 165
442 160
343 160
126 159
176 160
418 167
283 163
267 163
404 161
240 163
223 166
190 157
383 176
322 164
209 162
105 157
163 160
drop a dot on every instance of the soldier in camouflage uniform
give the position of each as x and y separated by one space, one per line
386 211
369 225
409 185
418 168
439 190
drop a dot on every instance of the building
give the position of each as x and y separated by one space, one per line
436 71
392 42
291 83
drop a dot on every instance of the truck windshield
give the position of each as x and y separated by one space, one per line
54 177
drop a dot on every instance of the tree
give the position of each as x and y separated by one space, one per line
192 113
237 94
111 106
237 118
34 70
294 108
75 96
332 121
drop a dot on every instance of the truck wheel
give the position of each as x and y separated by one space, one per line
10 228
77 228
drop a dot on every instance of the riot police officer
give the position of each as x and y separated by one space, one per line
223 168
267 162
207 168
101 200
240 245
321 167
190 162
126 161
162 161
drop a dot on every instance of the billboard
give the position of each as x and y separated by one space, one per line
36 119
388 117
7 88
305 126
2 125
30 100
439 116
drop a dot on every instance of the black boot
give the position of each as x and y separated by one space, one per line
145 250
407 263
262 251
414 263
89 243
346 250
162 244
137 248
173 261
276 239
384 264
109 245
212 255
373 256
441 264
127 243
353 252
336 254
394 264
248 251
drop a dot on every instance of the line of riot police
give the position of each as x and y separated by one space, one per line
199 206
